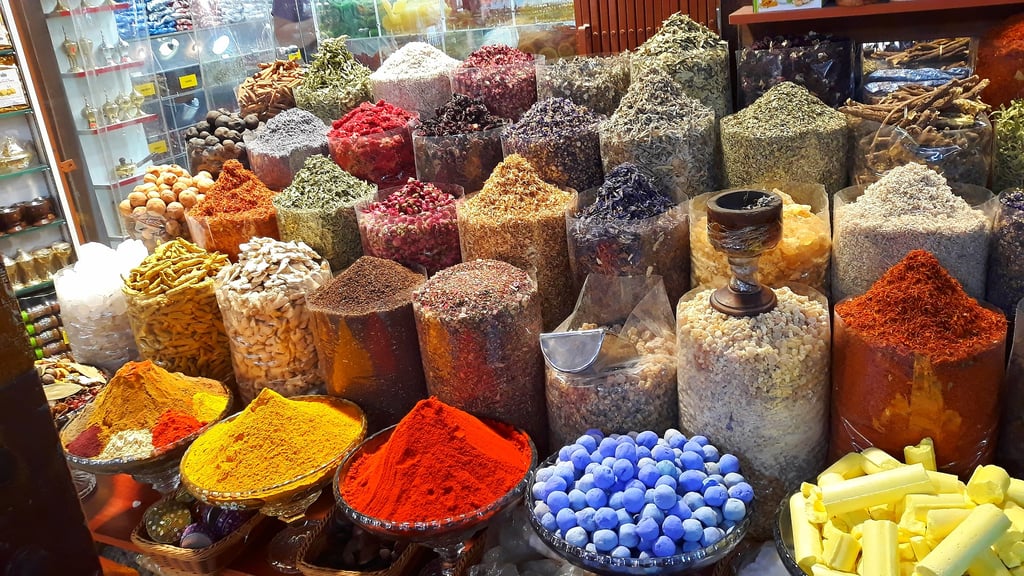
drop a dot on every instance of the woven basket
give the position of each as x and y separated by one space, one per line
209 560
405 565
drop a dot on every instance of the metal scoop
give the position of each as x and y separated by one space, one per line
579 351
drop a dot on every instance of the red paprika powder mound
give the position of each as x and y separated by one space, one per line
918 307
916 357
439 462
374 142
173 426
370 118
1001 61
87 444
238 207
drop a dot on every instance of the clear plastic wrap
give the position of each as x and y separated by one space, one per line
760 387
478 324
638 394
93 306
370 354
1010 449
155 229
262 300
802 256
889 397
464 159
821 64
224 233
863 249
960 152
658 245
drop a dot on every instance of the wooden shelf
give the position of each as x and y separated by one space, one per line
746 15
907 20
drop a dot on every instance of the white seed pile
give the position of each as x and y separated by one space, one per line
910 207
415 78
262 298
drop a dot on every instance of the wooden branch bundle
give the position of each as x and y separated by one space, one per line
923 106
269 91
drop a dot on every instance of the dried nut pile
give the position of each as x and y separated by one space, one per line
560 140
217 139
334 83
787 135
262 298
760 386
173 310
696 57
597 82
802 255
268 92
156 208
910 207
415 78
665 133
279 148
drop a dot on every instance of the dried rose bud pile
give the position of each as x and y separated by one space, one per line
416 226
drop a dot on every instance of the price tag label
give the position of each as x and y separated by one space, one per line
188 81
158 147
148 89
295 56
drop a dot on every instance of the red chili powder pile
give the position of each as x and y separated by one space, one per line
238 194
370 119
87 444
1001 60
173 426
440 462
918 307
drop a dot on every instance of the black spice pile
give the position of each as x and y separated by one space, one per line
461 145
560 139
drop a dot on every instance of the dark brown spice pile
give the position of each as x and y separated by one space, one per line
368 285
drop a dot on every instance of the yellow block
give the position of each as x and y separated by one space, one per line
946 483
906 552
920 546
941 522
880 488
1007 546
951 557
1014 513
923 453
881 553
1016 492
877 460
988 485
806 538
851 518
822 570
986 563
830 478
849 466
840 553
831 530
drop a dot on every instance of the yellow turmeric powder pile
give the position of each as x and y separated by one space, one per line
272 441
140 392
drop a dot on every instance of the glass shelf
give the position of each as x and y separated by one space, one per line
23 172
22 112
131 180
34 288
54 224
120 125
104 69
89 10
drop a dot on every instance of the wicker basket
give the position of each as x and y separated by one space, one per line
407 563
209 560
